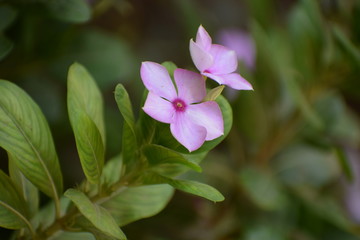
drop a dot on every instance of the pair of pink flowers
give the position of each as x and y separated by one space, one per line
192 121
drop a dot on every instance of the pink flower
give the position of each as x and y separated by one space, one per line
216 61
192 122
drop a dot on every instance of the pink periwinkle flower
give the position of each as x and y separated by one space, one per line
192 122
216 61
242 43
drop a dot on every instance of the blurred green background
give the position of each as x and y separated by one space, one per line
290 167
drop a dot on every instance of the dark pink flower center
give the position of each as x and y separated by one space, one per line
179 105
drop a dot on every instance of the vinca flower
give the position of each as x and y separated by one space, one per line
192 122
216 61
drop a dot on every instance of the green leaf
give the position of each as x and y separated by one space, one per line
75 11
84 95
129 144
158 155
85 106
5 46
124 104
170 67
112 170
96 214
135 203
27 190
8 15
13 213
344 163
25 134
262 188
90 146
214 93
196 188
63 235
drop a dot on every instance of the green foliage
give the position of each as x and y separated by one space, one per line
193 187
158 156
96 214
134 203
13 212
26 136
76 11
28 191
85 108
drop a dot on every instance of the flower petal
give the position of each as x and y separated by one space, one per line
191 86
233 80
225 60
208 115
201 58
158 108
203 38
157 80
186 132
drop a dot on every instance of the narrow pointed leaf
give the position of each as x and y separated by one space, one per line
26 189
196 188
84 95
25 134
85 107
90 147
124 105
62 235
214 93
135 203
129 145
158 155
13 213
96 214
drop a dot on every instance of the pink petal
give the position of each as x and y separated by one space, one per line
186 132
190 85
203 38
233 80
201 58
157 80
208 115
158 108
225 60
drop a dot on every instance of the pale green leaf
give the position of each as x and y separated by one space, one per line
196 188
25 134
214 93
13 212
158 156
124 104
135 203
112 170
90 146
26 189
129 144
85 107
76 11
96 214
170 67
84 95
